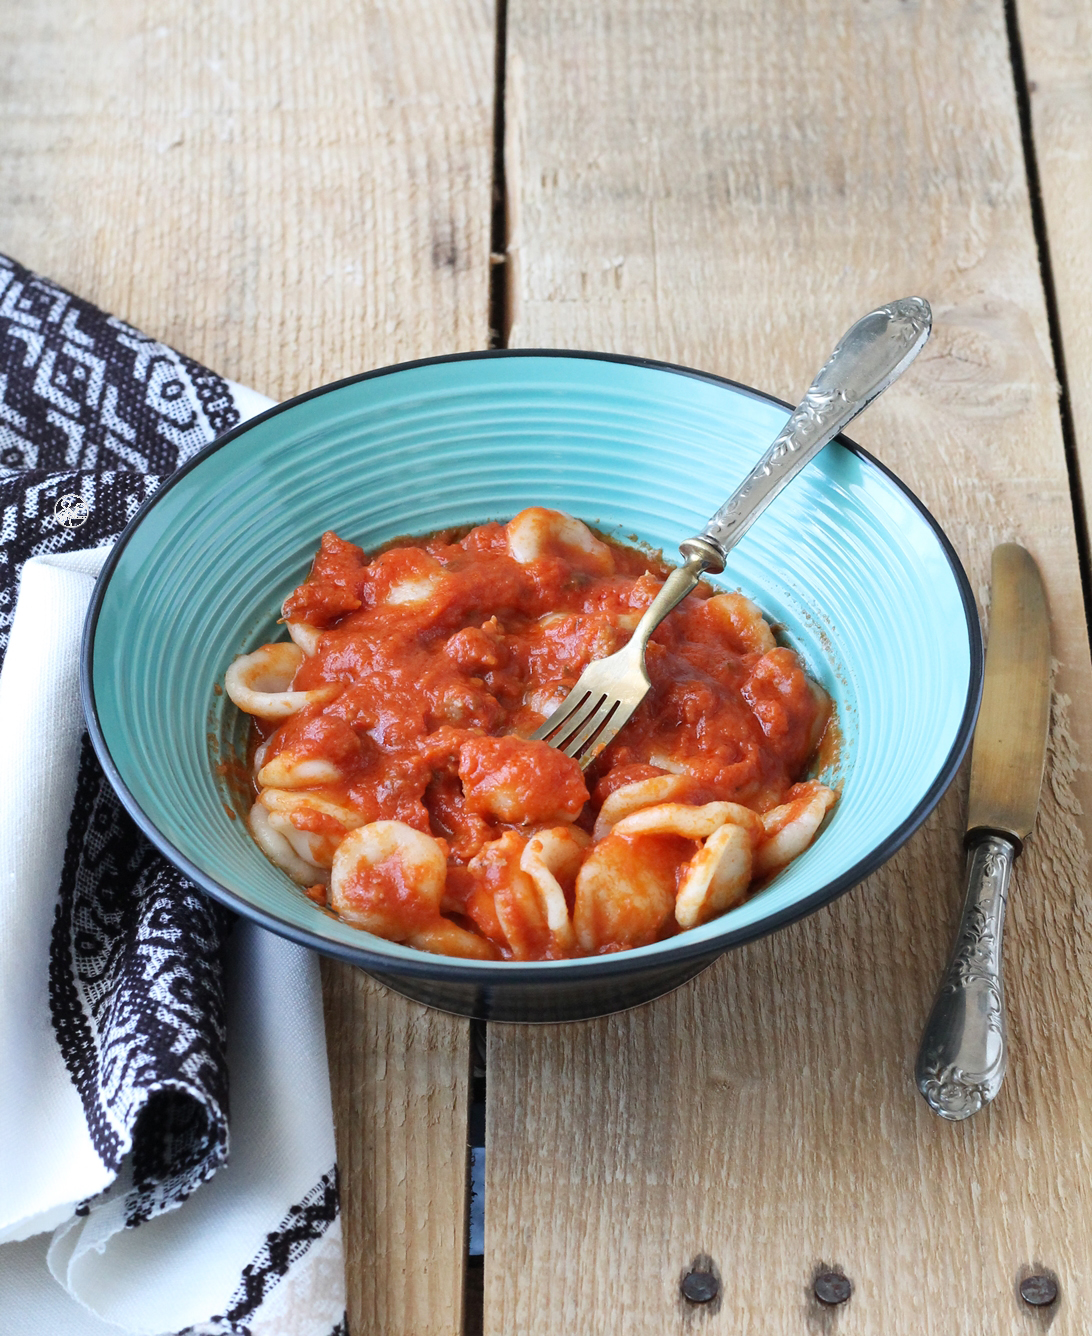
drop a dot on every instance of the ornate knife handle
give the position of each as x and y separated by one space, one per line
877 349
962 1059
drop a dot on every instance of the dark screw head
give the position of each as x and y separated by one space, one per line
700 1286
1040 1291
831 1287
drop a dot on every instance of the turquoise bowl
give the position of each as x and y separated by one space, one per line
853 569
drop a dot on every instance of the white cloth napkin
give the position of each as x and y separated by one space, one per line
247 1242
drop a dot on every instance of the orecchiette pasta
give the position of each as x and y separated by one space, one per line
641 793
716 877
396 781
312 825
552 858
537 533
306 637
789 829
625 891
259 683
286 771
517 906
388 878
691 823
445 938
743 620
278 849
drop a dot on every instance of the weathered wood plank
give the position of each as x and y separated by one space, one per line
1057 45
290 193
729 185
399 1074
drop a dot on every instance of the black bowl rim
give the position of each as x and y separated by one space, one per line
511 973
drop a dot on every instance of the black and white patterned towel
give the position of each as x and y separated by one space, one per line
166 1140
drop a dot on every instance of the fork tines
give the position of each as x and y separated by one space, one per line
584 723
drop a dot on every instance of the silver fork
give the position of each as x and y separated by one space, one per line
869 356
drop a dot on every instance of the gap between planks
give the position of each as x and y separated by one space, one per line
1040 226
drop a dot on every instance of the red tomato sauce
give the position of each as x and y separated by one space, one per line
448 652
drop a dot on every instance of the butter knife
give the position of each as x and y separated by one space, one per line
962 1059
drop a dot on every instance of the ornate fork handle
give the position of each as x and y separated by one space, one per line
876 350
963 1055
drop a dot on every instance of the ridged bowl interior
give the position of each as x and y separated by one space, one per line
856 573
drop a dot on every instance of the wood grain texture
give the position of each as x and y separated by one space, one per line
1056 36
289 193
730 185
399 1074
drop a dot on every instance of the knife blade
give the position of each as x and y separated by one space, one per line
963 1054
1010 738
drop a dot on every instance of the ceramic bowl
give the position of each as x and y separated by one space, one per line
858 575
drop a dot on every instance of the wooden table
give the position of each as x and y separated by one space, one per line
294 192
